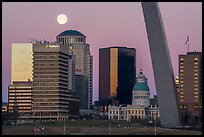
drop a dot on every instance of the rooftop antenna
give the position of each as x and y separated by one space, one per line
141 63
187 42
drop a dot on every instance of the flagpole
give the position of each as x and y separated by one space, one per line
188 43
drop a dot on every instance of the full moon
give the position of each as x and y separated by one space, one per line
61 19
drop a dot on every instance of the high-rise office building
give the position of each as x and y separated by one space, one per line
20 90
53 82
76 41
190 86
117 72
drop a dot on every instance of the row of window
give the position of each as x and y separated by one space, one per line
124 118
185 106
195 70
196 100
10 108
195 59
20 104
19 89
46 104
20 100
18 94
27 97
196 82
70 40
47 57
128 112
141 97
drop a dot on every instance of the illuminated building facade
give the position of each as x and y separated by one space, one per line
4 108
190 87
117 73
20 97
21 62
20 90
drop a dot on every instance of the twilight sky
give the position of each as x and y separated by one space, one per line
105 24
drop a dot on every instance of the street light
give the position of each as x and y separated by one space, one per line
109 129
155 123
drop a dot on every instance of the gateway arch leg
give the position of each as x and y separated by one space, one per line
162 67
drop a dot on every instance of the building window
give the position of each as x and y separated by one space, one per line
181 81
181 70
110 112
181 59
181 63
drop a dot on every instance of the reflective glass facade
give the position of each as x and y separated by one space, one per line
117 72
113 71
21 68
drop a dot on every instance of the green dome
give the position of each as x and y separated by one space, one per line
141 86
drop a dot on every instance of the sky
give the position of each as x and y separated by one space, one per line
105 24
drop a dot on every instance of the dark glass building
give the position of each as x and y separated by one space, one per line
117 73
82 90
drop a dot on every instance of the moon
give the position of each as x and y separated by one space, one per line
61 19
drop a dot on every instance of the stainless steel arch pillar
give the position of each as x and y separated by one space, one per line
162 67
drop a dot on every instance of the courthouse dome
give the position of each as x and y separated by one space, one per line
140 86
71 33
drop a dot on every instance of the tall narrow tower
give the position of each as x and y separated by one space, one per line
161 62
76 41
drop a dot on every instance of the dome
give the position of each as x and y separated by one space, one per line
141 86
71 33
